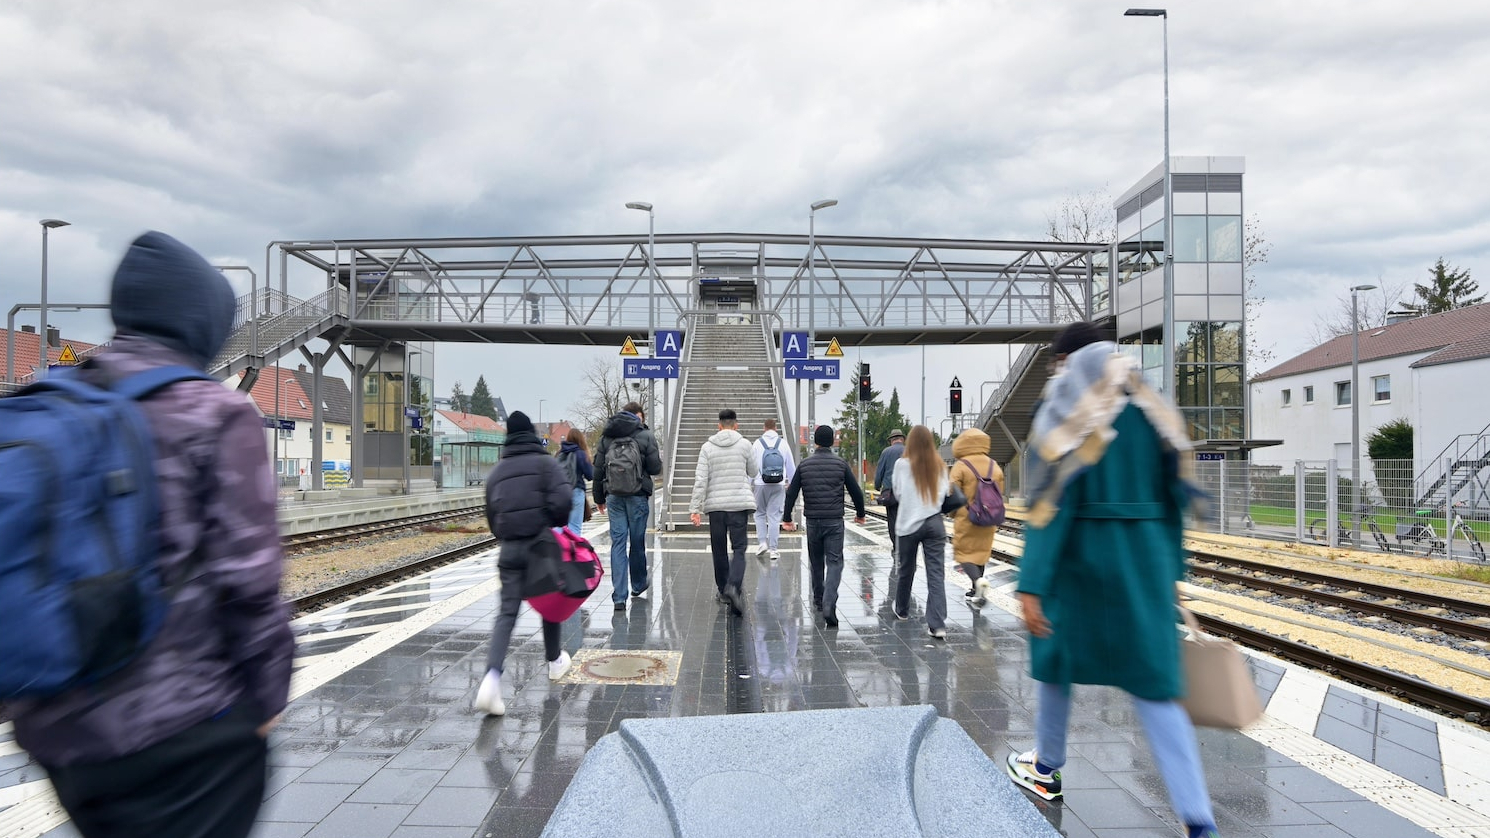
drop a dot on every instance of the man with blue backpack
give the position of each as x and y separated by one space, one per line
774 468
147 652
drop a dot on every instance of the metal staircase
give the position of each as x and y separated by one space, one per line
288 325
1008 415
725 365
1460 466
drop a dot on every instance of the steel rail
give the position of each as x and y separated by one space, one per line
336 593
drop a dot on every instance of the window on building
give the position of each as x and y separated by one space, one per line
1190 235
1381 388
1342 393
328 434
1309 395
349 436
1287 397
285 433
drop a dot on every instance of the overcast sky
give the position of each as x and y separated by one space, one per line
232 124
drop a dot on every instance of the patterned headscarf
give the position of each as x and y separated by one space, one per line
1073 426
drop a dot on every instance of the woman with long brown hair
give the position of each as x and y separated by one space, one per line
920 484
574 458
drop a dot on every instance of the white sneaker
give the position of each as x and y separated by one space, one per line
489 697
762 549
775 555
939 634
558 668
984 588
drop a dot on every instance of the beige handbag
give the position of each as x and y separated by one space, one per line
1218 686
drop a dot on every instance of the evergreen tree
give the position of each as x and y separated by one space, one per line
481 400
1447 289
459 402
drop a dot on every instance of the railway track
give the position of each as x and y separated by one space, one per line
337 593
340 534
1405 687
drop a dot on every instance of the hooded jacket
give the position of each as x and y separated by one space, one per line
626 424
821 480
583 468
527 492
971 543
226 640
722 481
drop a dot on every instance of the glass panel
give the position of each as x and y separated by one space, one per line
1153 356
1381 387
1227 424
1189 238
1154 378
1191 347
1152 247
1193 385
1287 397
1130 259
1342 393
1309 395
1226 238
1226 386
1198 422
1226 343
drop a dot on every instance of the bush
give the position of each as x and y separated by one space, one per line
1390 450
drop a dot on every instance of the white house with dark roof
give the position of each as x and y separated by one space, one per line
1431 371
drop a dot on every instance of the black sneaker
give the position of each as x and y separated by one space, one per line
620 606
736 602
830 619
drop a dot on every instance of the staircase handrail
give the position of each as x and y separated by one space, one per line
674 423
778 376
1017 371
1432 466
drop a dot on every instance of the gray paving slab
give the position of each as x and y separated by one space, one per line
392 748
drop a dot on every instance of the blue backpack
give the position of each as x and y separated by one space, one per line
80 590
773 465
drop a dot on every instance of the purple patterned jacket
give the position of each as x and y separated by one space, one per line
226 640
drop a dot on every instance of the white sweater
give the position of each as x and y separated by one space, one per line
915 510
722 482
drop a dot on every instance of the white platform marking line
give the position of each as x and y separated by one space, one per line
7 728
11 795
9 747
1299 700
338 614
333 635
1465 754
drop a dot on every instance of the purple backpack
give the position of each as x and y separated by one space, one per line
986 507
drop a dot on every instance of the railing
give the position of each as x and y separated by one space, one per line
275 328
1017 371
674 427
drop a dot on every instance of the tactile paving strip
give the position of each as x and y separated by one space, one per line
647 667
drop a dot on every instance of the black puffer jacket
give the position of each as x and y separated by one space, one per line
820 480
527 492
626 424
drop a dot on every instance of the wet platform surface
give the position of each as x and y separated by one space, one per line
380 739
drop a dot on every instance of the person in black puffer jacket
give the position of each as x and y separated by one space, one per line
527 496
821 481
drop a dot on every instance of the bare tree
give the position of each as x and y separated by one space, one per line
1083 217
1255 250
603 394
1336 320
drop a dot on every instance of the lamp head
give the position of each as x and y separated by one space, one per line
1146 13
639 205
54 223
824 204
1363 288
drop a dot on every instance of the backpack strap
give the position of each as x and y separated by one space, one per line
776 444
142 384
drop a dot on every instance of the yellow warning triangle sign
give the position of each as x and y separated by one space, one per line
68 356
834 350
628 349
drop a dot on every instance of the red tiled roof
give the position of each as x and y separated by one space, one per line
472 422
1464 350
1442 331
28 347
294 403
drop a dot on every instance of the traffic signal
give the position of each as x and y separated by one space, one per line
956 402
864 388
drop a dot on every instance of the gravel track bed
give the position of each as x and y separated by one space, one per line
312 570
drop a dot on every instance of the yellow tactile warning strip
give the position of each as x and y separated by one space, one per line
645 667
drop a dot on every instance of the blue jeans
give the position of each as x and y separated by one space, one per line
628 544
577 512
1171 738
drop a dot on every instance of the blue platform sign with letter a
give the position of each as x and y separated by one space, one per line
669 344
650 368
794 345
802 368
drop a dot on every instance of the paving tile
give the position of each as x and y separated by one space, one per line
1364 819
1346 737
431 832
342 767
361 820
1401 729
436 754
1257 805
397 785
1306 785
273 829
452 807
1112 808
306 803
1426 771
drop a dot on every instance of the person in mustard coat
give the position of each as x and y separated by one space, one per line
972 544
1112 475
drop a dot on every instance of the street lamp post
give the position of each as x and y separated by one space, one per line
812 294
1169 336
540 410
1355 411
47 225
652 270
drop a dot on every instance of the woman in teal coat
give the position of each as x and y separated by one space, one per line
1101 559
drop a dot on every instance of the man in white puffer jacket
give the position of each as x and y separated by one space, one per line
722 489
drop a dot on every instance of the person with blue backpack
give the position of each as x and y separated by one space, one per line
147 652
774 468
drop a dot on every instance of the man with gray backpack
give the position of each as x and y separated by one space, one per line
774 469
625 461
146 650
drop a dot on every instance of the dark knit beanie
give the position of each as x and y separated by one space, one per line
517 422
823 436
1075 336
165 291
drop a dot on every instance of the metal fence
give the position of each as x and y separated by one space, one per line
1314 502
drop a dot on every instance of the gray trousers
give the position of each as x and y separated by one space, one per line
512 564
931 538
729 559
825 560
770 502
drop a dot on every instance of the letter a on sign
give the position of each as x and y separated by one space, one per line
628 349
